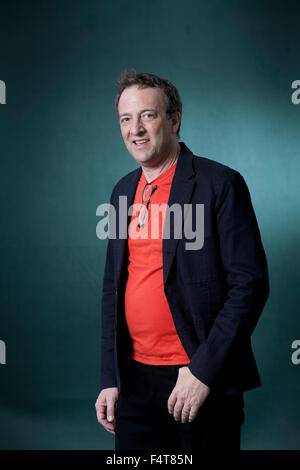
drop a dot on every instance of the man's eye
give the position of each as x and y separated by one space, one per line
125 119
148 115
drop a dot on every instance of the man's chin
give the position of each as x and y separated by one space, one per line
142 157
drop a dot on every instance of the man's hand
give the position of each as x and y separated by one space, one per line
105 408
187 396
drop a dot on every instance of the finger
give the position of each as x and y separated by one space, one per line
185 413
102 418
111 410
112 432
171 401
177 410
110 413
193 413
101 412
110 428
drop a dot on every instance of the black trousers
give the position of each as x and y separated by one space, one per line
143 421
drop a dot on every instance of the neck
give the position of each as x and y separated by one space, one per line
151 173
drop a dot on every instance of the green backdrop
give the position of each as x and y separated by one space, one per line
61 154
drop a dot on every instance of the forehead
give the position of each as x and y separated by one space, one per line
134 98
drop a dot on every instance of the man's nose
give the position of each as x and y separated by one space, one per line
137 127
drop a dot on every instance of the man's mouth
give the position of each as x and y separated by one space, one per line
140 142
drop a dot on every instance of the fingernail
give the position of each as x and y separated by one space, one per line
110 418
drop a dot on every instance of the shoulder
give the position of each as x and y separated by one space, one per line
213 169
125 182
217 177
210 169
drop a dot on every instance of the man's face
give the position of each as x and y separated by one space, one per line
147 132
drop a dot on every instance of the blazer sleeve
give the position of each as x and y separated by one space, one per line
246 271
108 326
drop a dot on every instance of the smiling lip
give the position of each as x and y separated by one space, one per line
142 144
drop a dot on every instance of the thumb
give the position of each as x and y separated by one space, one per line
110 412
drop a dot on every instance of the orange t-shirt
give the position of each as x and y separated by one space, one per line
148 316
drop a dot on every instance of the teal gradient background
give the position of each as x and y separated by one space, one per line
61 154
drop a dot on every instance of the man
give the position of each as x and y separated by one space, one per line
177 318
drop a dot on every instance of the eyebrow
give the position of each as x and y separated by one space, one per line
142 111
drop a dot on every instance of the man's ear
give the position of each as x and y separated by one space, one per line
176 119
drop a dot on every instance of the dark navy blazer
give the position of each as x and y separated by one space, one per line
216 294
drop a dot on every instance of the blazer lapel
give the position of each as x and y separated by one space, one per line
180 193
129 192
